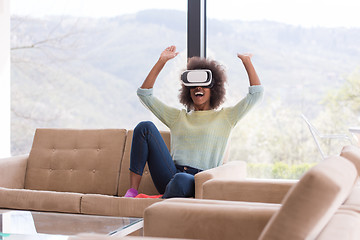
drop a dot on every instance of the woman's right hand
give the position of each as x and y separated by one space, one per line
169 53
166 55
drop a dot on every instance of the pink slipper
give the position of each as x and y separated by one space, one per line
131 193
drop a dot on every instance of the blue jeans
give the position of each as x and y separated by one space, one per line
170 180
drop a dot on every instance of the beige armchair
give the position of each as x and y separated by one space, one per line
311 209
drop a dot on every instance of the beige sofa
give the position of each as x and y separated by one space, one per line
84 171
323 204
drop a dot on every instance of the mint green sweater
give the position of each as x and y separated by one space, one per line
199 138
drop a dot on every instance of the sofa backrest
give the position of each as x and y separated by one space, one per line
310 204
146 185
83 161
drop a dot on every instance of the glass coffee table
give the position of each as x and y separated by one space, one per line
46 225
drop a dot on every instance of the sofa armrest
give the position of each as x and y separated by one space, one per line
230 170
201 219
249 190
12 171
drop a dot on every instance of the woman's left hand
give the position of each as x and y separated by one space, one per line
246 60
245 56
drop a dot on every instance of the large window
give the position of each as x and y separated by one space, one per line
77 64
307 55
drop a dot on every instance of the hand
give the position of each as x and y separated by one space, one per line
245 57
246 60
169 53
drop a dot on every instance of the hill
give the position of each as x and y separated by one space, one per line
84 72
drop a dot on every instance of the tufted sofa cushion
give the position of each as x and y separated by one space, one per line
81 161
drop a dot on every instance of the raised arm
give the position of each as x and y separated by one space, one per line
166 55
253 77
254 96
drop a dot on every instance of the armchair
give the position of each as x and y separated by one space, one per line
310 210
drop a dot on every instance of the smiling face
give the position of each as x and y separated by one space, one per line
217 96
201 98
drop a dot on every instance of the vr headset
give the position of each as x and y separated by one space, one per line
197 78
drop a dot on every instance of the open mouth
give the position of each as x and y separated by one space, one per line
199 94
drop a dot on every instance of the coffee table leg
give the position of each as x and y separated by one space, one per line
139 226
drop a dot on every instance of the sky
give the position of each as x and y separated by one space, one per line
306 13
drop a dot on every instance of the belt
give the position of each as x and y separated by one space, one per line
187 169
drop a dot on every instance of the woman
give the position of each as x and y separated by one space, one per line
199 134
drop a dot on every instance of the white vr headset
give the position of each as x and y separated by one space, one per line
197 78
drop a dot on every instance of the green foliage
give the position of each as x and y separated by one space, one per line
347 96
341 111
277 170
259 170
287 152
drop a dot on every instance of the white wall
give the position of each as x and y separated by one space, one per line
4 78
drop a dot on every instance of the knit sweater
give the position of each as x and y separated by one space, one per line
199 138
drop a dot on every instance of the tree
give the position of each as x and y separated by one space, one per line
342 110
347 97
35 49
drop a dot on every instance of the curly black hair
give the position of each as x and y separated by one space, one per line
217 91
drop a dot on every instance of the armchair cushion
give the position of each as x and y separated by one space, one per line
207 219
249 190
343 225
353 201
310 204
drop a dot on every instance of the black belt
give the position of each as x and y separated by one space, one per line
188 169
